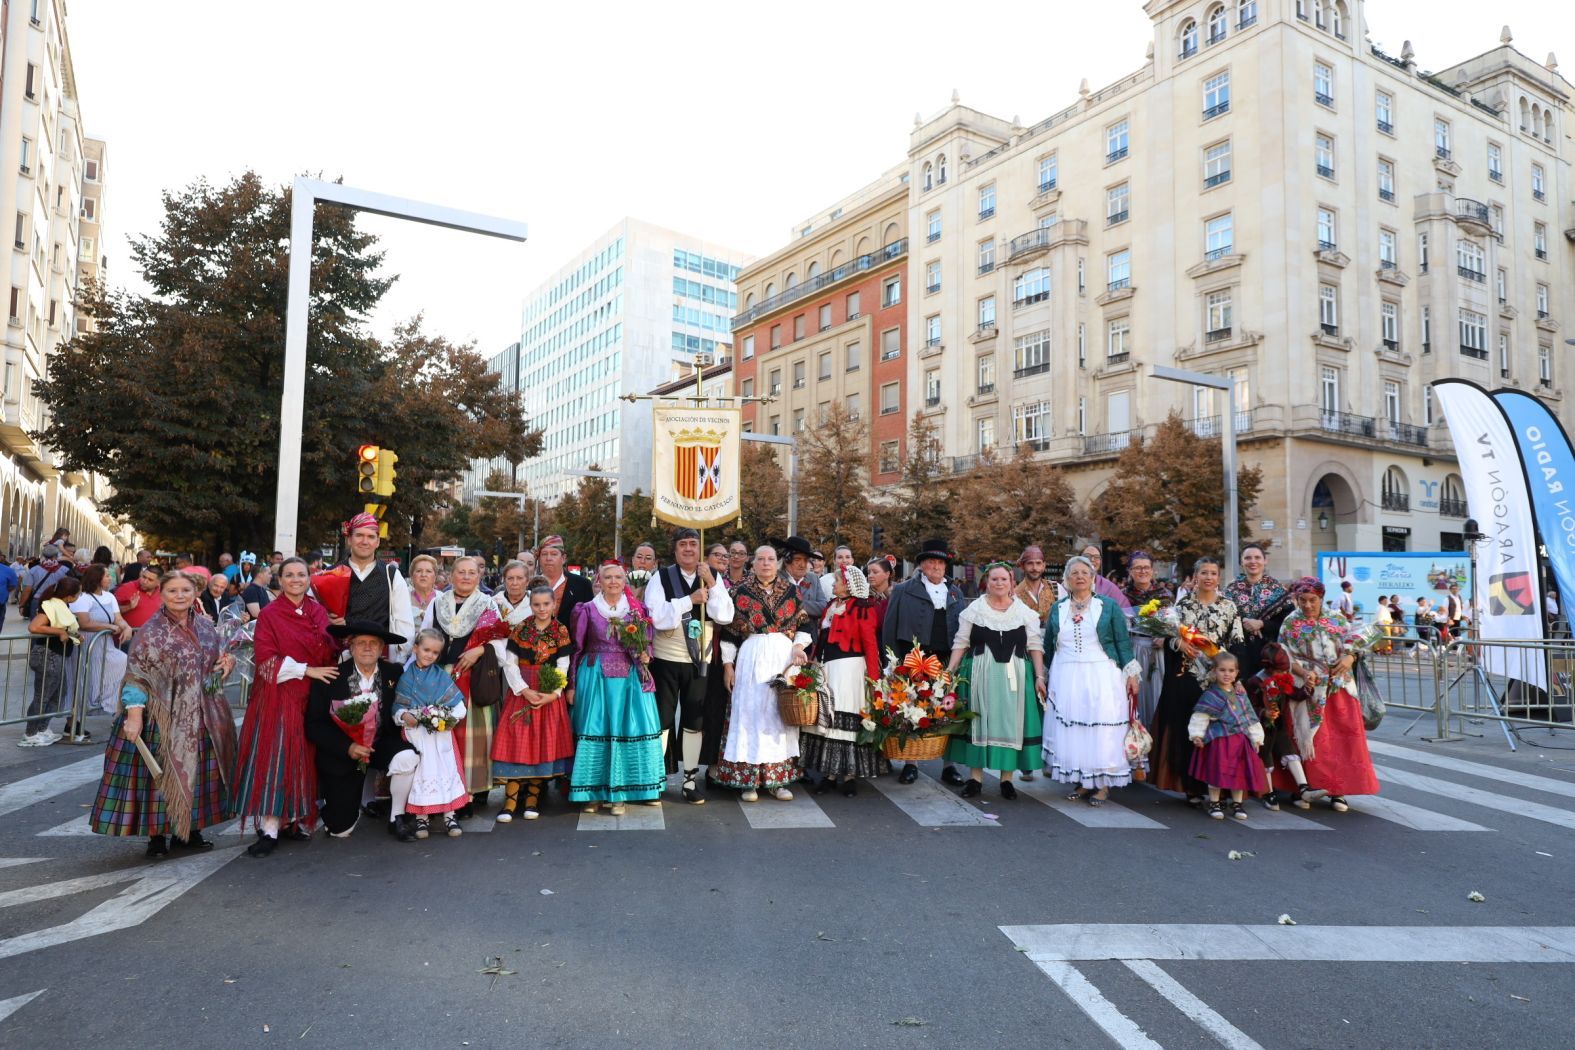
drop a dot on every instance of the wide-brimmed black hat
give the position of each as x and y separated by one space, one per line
794 545
934 547
357 628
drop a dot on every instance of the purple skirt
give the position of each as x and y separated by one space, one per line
1231 763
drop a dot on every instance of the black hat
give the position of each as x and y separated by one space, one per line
794 545
934 548
356 628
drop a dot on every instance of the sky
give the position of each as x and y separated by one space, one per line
730 122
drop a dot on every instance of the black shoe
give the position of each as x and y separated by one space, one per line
825 786
479 799
466 811
403 828
971 789
295 833
949 775
691 788
194 841
158 846
378 808
909 774
262 847
1008 789
850 788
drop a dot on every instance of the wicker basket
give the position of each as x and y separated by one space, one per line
915 749
796 711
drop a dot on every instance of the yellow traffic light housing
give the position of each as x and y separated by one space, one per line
366 467
384 483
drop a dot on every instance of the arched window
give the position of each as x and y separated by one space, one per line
940 165
749 301
1525 115
1337 18
1216 23
891 235
928 179
1246 13
1396 492
1547 126
1536 121
1189 38
813 271
1452 490
791 282
771 290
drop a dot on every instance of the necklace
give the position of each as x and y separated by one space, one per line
1079 607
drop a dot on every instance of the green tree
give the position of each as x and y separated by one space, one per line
1008 503
494 519
193 372
1167 495
834 504
584 518
924 502
638 527
765 494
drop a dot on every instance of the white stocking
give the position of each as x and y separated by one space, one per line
691 745
270 827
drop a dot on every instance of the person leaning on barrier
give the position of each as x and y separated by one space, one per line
98 612
55 636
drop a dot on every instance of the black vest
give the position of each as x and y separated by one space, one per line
938 644
369 598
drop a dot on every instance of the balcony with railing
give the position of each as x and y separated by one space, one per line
1322 99
1386 195
1474 212
1094 444
1386 127
1442 152
1450 507
1217 110
1115 155
1211 426
1030 243
1217 179
868 261
1393 500
1469 274
1116 216
1031 370
1217 335
1390 431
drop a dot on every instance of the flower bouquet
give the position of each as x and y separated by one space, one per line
549 680
798 694
913 708
1366 639
357 719
235 629
332 589
439 718
630 634
1156 621
1206 647
638 578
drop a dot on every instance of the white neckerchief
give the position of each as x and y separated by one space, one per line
459 622
514 614
936 591
609 611
362 574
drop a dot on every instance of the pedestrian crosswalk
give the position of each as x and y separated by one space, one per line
1424 791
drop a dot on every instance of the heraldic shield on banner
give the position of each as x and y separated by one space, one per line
694 466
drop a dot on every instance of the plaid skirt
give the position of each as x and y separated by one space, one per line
128 803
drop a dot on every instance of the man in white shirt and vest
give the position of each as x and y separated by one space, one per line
675 596
378 591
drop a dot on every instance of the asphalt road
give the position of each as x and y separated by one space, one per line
903 917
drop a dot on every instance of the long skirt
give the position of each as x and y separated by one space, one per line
532 742
1029 758
617 739
438 786
829 747
1151 679
1342 764
1230 762
473 742
1171 755
129 803
761 751
276 765
1086 720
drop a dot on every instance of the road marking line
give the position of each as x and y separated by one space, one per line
472 825
1110 815
930 805
1088 942
67 887
1260 819
83 825
769 814
16 862
1503 803
1229 1036
1414 817
1117 1025
635 818
1476 769
156 887
15 1003
49 784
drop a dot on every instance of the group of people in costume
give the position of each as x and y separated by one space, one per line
358 710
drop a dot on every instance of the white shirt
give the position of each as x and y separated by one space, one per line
668 613
936 591
101 607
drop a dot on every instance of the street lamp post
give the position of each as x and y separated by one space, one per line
522 497
1227 444
612 476
792 472
305 194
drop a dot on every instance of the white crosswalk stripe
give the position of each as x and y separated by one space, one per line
1110 815
1476 769
1477 797
932 806
770 814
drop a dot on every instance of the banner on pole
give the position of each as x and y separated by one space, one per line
1508 597
1550 471
694 466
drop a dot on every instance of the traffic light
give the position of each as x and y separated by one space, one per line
877 538
366 469
384 485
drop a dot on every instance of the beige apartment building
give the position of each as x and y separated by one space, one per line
1272 197
52 194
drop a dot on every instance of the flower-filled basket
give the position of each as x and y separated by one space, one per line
798 695
913 709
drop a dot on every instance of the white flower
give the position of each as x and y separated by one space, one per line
868 724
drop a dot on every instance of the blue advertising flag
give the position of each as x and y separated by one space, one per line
1550 473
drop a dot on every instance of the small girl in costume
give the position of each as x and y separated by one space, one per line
438 786
1226 734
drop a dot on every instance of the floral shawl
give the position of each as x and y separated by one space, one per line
538 646
1318 643
1140 598
168 664
1254 600
766 609
1220 620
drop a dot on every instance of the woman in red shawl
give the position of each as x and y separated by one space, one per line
275 771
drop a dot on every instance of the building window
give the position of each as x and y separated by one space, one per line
1329 391
825 316
1031 354
987 255
891 291
940 170
1118 340
891 344
1116 200
932 330
1082 344
798 375
1216 164
1503 285
1031 286
1539 240
1503 354
823 366
1545 365
1427 330
1473 335
1323 84
1118 270
798 327
1329 309
27 156
776 382
851 403
1219 237
776 424
1328 241
1538 183
986 201
1246 13
984 433
1421 252
935 225
1323 153
890 398
1117 139
853 306
927 180
1389 321
749 347
932 387
798 420
1542 301
1031 424
1496 211
776 336
1495 157
987 312
932 277
1216 95
90 209
1047 173
1441 138
1391 401
90 170
747 387
888 457
1386 180
1189 39
1427 408
1384 109
1217 316
1388 250
1471 261
986 374
851 358
16 310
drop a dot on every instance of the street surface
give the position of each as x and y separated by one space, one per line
902 917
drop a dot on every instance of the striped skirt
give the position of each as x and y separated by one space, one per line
128 803
473 741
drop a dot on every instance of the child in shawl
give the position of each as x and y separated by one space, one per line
1226 734
437 786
